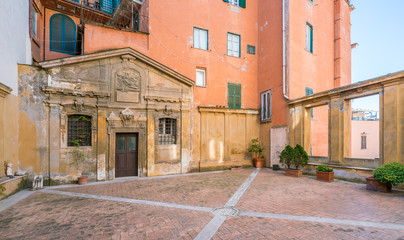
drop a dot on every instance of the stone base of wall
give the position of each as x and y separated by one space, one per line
13 185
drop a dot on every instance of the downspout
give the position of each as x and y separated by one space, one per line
285 71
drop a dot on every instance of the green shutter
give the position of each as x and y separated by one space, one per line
226 1
242 3
311 40
234 95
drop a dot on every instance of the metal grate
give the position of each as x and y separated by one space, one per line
79 130
167 131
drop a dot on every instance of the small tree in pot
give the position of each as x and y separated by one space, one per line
78 161
386 176
257 150
296 157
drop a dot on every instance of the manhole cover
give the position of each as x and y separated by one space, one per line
225 211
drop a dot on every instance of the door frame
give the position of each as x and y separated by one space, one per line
142 162
126 151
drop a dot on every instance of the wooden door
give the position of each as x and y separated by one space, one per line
126 154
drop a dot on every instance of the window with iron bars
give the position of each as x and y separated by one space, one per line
167 131
78 130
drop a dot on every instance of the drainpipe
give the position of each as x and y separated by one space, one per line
285 75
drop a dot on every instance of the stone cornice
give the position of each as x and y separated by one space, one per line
166 99
72 92
4 90
114 53
227 110
368 85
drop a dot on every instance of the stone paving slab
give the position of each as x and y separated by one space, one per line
243 227
274 192
50 216
206 190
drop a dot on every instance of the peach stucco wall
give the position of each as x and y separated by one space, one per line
371 130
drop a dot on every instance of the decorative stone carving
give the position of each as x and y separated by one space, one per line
113 119
37 183
79 105
128 80
9 170
127 116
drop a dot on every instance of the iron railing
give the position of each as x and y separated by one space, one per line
122 14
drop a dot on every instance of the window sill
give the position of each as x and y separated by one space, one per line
266 120
207 50
312 53
233 56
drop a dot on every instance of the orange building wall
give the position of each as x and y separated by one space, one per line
171 43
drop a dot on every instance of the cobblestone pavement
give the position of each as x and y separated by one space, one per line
255 205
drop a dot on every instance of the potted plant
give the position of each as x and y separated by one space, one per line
296 157
275 167
287 158
257 150
386 176
325 173
78 161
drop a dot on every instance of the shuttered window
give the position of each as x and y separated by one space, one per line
234 96
266 106
62 34
233 45
363 142
309 92
309 37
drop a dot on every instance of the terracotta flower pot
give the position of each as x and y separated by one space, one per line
293 172
259 162
82 180
373 184
325 176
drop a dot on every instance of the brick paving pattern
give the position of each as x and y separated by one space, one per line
50 216
45 215
273 192
205 190
242 227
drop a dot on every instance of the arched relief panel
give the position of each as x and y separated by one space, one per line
127 80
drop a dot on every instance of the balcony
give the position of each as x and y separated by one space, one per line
128 15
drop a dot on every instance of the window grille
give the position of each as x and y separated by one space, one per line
167 131
79 130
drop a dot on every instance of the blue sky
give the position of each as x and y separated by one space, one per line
378 27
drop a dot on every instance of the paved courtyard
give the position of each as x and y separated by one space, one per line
241 204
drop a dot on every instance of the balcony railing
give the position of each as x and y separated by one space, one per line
122 14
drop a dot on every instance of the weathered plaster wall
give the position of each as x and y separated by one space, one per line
225 136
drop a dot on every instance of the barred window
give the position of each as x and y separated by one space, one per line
79 130
167 131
